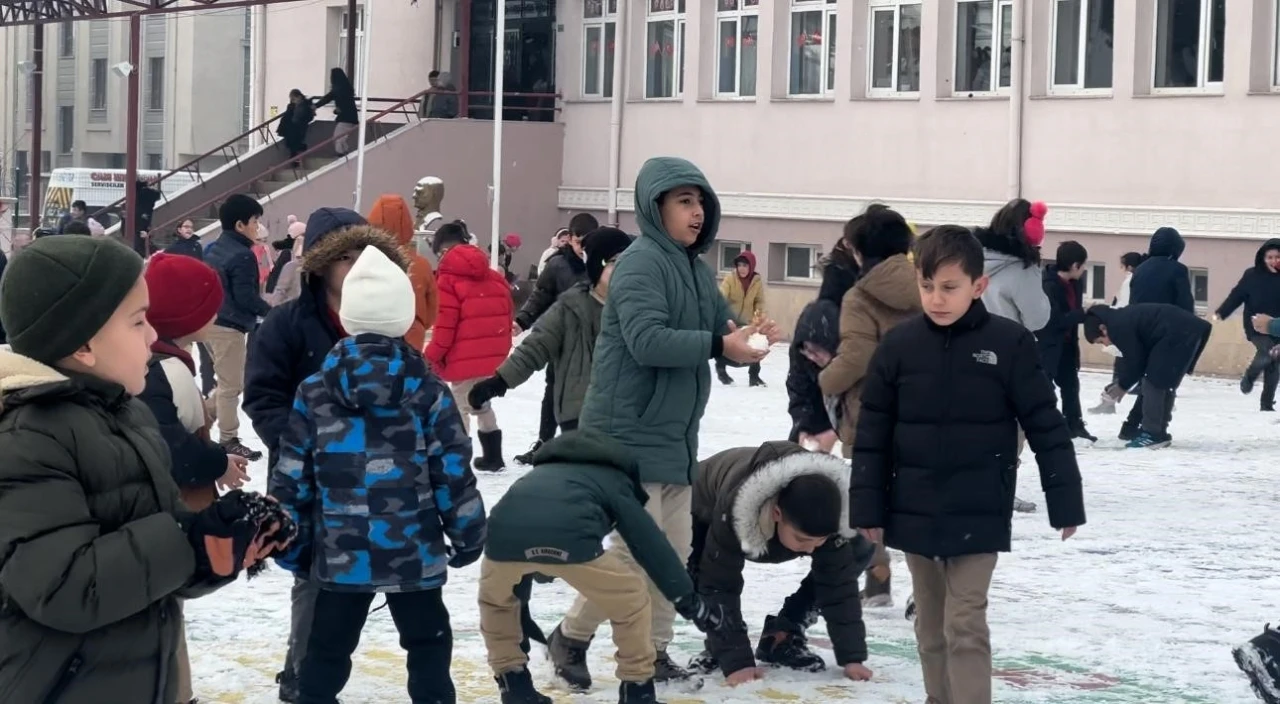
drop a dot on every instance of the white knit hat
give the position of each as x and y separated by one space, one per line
377 297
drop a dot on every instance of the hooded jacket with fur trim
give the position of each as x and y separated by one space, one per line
293 340
92 558
732 502
473 332
391 213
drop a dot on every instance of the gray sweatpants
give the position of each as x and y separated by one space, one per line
1157 408
303 603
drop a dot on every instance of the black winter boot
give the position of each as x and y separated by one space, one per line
722 374
755 380
783 644
704 663
517 688
1259 659
637 693
527 457
288 682
665 670
491 447
570 660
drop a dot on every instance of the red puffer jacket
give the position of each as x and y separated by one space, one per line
472 335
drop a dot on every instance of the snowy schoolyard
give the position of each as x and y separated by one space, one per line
1177 564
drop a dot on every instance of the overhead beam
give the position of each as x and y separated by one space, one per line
18 13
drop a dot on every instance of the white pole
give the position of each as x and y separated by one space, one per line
499 63
615 111
1016 53
365 44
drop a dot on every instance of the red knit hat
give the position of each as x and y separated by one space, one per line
185 295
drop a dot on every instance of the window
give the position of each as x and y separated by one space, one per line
664 38
66 129
599 36
895 47
1200 287
1189 43
155 162
1082 44
801 262
813 47
155 83
343 29
66 39
730 251
738 26
1094 282
98 85
978 23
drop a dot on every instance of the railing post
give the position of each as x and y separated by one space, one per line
464 59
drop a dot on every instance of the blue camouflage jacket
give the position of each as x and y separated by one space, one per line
375 468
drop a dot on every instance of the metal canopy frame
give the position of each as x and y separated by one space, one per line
37 13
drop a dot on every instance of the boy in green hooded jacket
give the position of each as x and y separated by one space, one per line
663 323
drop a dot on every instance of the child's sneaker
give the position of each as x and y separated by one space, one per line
1259 659
1021 506
786 647
517 688
665 669
570 659
756 381
1129 432
1150 441
637 693
235 447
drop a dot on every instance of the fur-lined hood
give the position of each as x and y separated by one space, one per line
22 376
327 250
769 478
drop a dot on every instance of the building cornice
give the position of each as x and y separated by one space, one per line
1224 223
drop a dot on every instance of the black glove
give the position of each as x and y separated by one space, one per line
238 531
541 578
461 558
487 389
707 617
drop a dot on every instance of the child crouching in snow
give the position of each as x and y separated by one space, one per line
375 467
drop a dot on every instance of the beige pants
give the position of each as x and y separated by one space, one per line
608 581
485 417
185 693
228 348
951 626
670 505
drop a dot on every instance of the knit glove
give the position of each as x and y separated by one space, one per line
485 390
707 617
237 532
461 558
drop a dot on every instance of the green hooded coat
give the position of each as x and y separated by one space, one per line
650 379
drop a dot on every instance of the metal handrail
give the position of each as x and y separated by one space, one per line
289 163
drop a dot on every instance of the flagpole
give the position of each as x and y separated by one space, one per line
499 64
365 32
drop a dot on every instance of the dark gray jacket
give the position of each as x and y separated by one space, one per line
564 270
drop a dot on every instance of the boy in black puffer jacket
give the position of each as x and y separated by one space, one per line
935 457
1259 292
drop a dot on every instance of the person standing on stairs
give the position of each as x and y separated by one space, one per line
1259 292
564 270
343 96
293 125
232 257
472 335
744 290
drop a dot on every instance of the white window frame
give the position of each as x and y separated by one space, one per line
815 255
722 246
1078 88
98 82
1091 292
1275 49
997 32
1203 85
880 6
1193 272
830 11
736 16
343 27
608 18
677 14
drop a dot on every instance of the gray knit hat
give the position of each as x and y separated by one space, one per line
58 292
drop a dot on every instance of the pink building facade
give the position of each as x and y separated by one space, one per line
1123 115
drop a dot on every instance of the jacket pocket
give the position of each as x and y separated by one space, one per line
653 409
65 678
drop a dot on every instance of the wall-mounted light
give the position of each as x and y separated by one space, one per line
122 69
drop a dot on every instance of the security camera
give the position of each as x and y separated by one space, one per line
122 69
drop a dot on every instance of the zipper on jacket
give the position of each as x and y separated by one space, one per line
64 680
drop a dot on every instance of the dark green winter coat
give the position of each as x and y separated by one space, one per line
91 555
565 338
651 377
582 486
733 498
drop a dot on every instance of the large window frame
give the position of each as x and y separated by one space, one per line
1095 273
1090 25
814 257
737 32
894 9
155 83
999 73
660 81
599 47
97 87
1199 287
727 251
801 49
1210 69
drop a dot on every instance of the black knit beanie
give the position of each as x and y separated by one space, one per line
601 245
58 292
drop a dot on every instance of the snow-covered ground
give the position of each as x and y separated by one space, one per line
1177 564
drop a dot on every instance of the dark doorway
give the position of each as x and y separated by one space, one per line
530 66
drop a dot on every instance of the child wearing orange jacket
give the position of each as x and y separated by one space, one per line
391 213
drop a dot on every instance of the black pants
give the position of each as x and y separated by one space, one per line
207 379
569 425
423 623
1263 365
296 141
547 421
1066 376
753 371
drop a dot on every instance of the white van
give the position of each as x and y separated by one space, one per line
99 188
